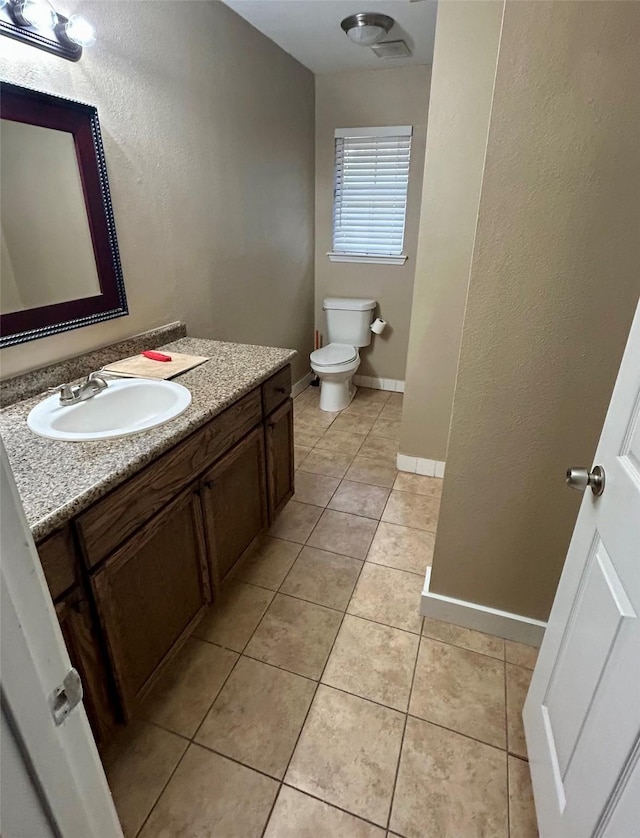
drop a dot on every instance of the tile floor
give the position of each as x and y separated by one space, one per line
314 700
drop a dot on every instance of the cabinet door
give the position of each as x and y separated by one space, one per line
279 434
84 644
234 503
151 593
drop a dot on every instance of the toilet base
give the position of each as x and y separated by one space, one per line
336 395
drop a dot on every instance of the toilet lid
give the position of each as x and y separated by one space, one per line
333 354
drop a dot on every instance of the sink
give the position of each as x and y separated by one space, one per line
127 406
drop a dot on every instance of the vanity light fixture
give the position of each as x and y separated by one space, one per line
367 28
37 23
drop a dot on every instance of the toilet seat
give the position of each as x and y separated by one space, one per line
334 355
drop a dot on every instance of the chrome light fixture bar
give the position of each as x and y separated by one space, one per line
37 23
366 28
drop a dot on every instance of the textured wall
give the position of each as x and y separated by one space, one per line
464 65
554 283
209 140
396 96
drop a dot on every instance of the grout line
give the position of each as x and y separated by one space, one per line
506 739
332 806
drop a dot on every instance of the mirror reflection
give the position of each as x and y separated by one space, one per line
46 249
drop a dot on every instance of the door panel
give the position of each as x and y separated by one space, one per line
582 714
280 471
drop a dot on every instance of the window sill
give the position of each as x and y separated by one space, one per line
363 257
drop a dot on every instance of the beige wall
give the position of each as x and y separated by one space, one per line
209 141
554 283
395 96
464 65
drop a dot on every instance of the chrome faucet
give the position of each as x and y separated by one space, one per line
93 384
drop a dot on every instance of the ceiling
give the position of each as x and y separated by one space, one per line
309 30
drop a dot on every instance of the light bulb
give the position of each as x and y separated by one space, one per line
80 31
366 35
37 13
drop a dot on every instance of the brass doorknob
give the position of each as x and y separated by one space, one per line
580 478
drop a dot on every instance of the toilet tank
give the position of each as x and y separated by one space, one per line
348 320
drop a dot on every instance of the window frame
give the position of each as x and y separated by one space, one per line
370 132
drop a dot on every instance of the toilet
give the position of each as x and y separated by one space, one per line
348 328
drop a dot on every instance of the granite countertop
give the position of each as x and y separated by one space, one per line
57 480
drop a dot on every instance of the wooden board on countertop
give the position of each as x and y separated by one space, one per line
140 367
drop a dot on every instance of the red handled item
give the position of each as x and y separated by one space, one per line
156 356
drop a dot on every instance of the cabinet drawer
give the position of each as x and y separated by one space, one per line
114 518
58 560
276 390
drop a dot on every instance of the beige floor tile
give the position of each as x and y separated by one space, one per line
258 716
360 499
389 428
475 641
299 454
296 815
312 416
296 636
370 410
381 449
419 511
180 699
520 654
138 763
522 812
310 395
339 532
328 463
404 548
305 435
418 484
461 690
231 621
314 488
324 578
388 596
374 472
449 786
296 520
395 400
212 796
269 563
347 754
373 661
518 680
391 411
346 443
354 423
372 396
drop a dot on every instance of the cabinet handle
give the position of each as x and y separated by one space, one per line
210 484
282 390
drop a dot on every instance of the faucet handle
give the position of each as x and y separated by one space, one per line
66 392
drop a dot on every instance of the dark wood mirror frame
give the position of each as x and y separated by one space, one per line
23 105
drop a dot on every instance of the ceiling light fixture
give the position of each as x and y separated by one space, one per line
366 28
37 23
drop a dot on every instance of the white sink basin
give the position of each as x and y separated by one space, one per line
127 406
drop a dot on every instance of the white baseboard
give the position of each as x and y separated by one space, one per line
480 617
392 384
302 384
420 465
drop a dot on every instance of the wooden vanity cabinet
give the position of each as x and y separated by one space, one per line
234 504
80 629
150 594
132 574
280 466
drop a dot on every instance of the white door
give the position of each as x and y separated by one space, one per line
65 791
582 714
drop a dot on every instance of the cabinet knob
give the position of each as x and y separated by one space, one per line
210 484
282 390
81 607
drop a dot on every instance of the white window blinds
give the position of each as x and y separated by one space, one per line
370 193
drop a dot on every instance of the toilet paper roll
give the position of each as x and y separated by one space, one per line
378 326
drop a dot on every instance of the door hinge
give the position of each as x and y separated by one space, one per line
66 696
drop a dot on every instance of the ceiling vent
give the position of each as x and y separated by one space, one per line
391 49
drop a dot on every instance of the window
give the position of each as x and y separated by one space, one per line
370 194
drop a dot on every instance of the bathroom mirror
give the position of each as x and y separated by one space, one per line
59 262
